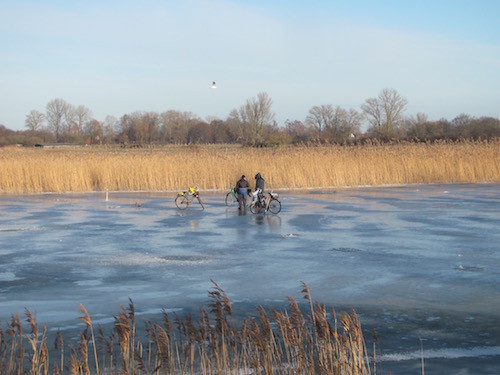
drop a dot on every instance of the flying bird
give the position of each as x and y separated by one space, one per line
214 86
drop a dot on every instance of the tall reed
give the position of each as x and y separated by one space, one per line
277 342
218 167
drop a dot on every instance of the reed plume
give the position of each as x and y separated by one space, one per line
123 331
59 345
88 322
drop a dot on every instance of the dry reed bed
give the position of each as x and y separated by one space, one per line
218 168
279 342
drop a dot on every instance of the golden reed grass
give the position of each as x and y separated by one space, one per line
219 167
275 342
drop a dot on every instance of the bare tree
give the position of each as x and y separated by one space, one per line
462 120
343 124
34 120
416 126
235 122
93 131
296 130
110 126
333 124
222 132
485 128
461 126
142 129
130 127
174 126
385 112
353 122
346 125
255 115
319 118
82 115
200 133
71 127
57 113
153 126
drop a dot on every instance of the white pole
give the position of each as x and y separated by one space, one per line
107 198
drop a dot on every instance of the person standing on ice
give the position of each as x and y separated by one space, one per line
259 184
241 189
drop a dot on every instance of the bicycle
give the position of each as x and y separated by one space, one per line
232 198
263 204
185 198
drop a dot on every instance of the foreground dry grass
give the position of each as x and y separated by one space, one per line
218 167
285 342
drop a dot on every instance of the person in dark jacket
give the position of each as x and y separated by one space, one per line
259 184
241 190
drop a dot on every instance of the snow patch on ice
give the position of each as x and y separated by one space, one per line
20 229
8 276
153 260
461 267
346 249
448 353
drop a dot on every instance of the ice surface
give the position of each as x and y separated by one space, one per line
416 262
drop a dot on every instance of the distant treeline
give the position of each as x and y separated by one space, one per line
253 124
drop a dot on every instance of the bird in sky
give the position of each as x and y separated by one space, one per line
214 86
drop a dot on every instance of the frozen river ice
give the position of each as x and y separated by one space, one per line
416 262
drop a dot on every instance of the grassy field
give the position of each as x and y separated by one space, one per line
218 167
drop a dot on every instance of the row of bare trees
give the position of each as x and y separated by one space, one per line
253 123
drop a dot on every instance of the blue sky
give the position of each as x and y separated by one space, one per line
118 57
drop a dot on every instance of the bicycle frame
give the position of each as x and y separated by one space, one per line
185 198
234 193
256 205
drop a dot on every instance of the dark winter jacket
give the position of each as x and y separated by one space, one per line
259 182
243 185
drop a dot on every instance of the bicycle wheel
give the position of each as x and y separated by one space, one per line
275 206
231 199
256 208
181 202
